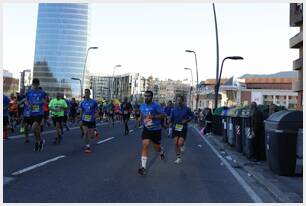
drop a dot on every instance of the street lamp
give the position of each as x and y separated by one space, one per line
80 85
93 47
219 78
113 85
191 87
217 57
195 55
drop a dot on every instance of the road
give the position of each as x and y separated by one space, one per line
109 173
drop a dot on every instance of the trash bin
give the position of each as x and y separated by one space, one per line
224 122
217 126
236 120
230 126
281 140
247 138
237 133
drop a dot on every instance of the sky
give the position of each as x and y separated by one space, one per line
151 38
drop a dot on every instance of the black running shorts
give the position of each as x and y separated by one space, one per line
89 125
182 133
153 135
57 119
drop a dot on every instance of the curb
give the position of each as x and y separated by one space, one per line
279 195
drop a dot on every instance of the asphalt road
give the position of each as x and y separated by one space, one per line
109 173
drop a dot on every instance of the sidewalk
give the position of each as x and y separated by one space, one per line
285 189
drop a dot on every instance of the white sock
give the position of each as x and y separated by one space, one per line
144 161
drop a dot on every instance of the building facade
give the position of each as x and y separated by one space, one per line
25 80
296 42
100 86
169 90
60 47
10 84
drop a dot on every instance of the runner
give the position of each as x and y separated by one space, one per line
13 108
73 111
58 106
65 118
26 121
46 111
180 116
36 97
111 113
168 110
137 114
151 114
88 109
20 100
126 109
6 104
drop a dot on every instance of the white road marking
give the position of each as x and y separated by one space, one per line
6 180
240 180
52 131
105 140
37 165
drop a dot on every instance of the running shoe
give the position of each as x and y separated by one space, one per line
36 146
41 145
87 150
142 171
162 156
178 161
97 135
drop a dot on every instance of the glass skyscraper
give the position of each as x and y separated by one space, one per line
61 46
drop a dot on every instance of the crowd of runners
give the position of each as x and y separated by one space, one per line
35 110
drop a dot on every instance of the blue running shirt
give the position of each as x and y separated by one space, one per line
88 107
179 114
151 109
36 100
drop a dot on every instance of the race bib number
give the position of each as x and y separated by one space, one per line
148 122
111 112
87 117
179 127
126 112
35 108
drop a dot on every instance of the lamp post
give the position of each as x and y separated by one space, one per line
219 78
94 47
80 85
217 49
113 85
197 91
191 99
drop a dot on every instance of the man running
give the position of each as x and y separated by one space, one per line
13 108
88 110
126 109
36 98
180 116
26 121
58 106
6 104
73 110
137 114
168 110
111 113
65 118
151 114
